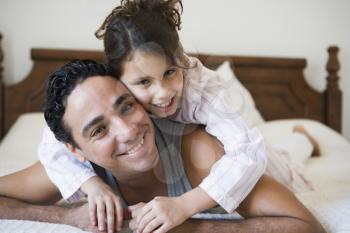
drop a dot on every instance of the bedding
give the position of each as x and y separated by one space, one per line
329 173
21 226
330 202
18 149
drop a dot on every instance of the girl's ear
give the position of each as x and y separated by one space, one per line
76 152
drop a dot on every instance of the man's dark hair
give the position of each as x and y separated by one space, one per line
60 85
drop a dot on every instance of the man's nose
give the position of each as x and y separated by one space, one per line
123 131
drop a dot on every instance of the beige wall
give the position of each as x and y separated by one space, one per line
299 28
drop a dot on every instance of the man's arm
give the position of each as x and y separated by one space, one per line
269 207
77 217
15 209
25 195
20 191
254 225
30 185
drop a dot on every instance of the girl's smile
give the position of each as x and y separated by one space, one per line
156 84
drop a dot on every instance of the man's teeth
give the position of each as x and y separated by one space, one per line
164 105
135 148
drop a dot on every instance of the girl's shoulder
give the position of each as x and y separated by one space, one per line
200 77
197 72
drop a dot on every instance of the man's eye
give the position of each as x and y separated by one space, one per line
144 82
128 107
98 132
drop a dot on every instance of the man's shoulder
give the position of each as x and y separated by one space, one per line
199 152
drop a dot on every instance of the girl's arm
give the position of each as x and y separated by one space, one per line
208 100
74 179
63 169
269 207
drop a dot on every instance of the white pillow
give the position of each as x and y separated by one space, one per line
18 149
240 96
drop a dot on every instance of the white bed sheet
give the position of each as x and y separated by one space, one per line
21 226
330 202
19 147
330 174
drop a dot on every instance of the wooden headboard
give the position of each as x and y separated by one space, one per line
277 85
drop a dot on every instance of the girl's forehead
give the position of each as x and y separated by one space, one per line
140 56
143 63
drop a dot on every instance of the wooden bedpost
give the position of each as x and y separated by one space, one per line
332 94
1 92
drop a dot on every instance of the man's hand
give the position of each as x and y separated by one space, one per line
78 217
159 215
104 205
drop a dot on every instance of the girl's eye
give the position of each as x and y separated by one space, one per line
98 132
170 72
144 82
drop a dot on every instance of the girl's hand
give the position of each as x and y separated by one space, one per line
104 205
159 215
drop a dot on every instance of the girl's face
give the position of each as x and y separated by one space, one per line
155 83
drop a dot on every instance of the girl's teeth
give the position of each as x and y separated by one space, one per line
164 105
135 148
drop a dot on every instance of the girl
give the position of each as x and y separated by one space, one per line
143 49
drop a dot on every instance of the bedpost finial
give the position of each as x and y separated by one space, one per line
333 66
332 94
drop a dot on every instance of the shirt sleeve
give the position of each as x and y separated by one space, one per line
63 169
207 100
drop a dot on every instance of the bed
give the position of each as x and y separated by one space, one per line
278 94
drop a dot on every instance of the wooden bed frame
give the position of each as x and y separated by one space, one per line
277 85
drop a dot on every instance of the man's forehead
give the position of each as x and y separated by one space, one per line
104 79
92 97
102 83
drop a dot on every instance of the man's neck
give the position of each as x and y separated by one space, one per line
143 187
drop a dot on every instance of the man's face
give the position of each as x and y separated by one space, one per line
110 127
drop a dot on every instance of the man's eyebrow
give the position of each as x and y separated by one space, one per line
121 99
93 122
98 119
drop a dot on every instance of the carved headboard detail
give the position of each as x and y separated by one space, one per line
277 85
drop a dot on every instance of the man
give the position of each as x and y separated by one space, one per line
99 120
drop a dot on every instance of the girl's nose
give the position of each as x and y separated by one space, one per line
163 92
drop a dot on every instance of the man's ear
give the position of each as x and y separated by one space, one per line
76 152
